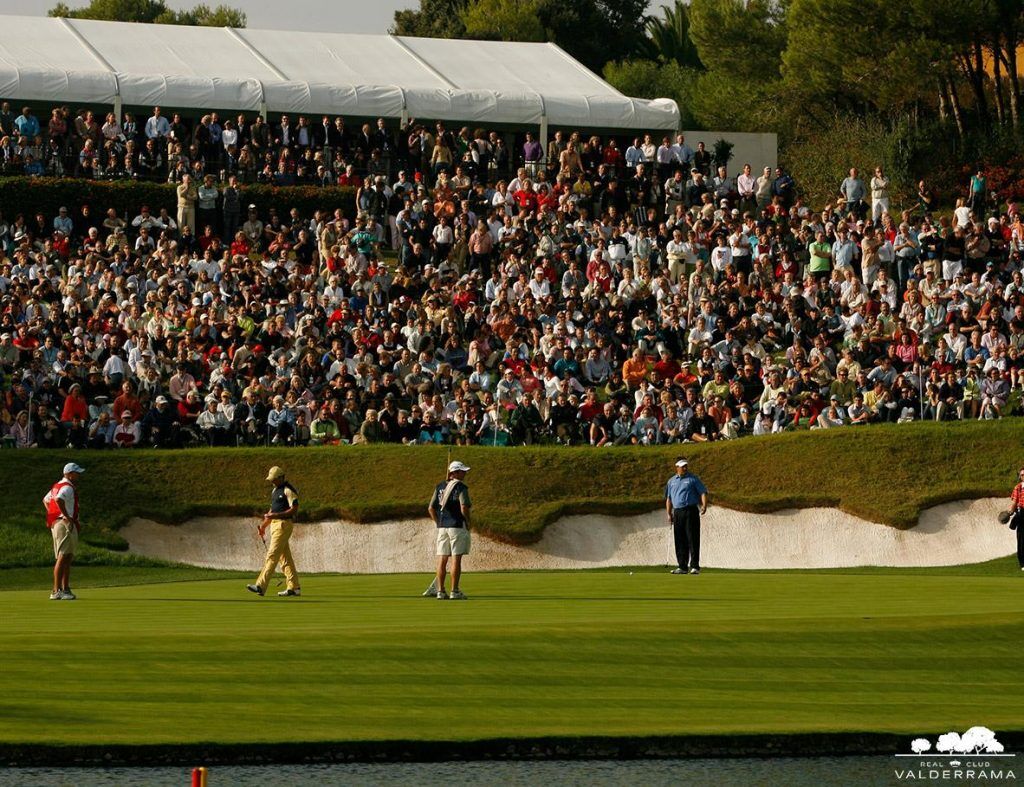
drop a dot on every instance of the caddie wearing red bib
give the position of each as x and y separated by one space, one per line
62 518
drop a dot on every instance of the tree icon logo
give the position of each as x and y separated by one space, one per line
976 740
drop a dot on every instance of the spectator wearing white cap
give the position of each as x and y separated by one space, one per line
450 508
61 504
686 500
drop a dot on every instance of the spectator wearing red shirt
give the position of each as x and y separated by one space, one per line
240 246
590 408
526 198
127 401
667 368
75 406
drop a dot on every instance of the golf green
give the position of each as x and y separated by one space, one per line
530 654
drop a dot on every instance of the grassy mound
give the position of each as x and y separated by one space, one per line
886 474
531 654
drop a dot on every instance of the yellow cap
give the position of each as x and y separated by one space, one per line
275 474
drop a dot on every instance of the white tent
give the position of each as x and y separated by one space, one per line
116 63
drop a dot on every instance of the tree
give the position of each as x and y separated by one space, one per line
742 40
948 743
920 745
592 31
504 20
596 32
668 37
152 11
433 19
977 740
650 79
740 44
204 16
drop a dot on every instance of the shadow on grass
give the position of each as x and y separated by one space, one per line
210 601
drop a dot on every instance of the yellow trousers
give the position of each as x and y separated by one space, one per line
279 552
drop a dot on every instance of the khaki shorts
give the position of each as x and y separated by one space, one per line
453 541
65 538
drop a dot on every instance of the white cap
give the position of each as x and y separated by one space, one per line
682 463
71 467
457 467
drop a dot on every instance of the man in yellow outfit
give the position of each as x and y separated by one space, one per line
284 504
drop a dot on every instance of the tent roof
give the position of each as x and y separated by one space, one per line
85 61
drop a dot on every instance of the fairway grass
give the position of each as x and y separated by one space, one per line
364 658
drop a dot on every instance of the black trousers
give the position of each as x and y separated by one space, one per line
1018 520
686 529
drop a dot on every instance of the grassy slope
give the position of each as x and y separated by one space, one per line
885 474
597 653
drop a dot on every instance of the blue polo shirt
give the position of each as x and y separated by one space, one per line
685 490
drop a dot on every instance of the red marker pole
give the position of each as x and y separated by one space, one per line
199 777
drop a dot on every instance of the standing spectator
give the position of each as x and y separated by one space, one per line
231 208
979 192
158 129
206 204
27 124
852 191
187 196
879 196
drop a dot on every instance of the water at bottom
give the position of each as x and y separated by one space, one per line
792 772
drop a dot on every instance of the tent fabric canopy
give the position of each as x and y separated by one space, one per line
85 61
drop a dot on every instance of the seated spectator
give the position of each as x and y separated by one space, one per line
213 424
128 432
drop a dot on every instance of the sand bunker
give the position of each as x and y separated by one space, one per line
950 534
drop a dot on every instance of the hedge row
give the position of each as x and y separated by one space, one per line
34 195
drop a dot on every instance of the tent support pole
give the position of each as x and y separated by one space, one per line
543 137
263 110
117 108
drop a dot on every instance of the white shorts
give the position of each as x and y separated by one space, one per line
65 538
453 541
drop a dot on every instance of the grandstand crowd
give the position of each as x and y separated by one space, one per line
599 291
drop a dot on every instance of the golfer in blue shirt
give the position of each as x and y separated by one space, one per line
686 498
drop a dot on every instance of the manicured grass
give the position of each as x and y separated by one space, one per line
547 653
886 474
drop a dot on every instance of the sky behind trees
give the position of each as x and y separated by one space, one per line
338 16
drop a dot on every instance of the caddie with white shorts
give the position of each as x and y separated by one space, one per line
449 509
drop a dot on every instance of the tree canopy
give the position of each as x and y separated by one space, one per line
592 31
153 11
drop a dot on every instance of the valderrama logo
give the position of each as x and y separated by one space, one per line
974 756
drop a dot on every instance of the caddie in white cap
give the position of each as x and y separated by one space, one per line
62 519
450 509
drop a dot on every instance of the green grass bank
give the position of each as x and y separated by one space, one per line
886 474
